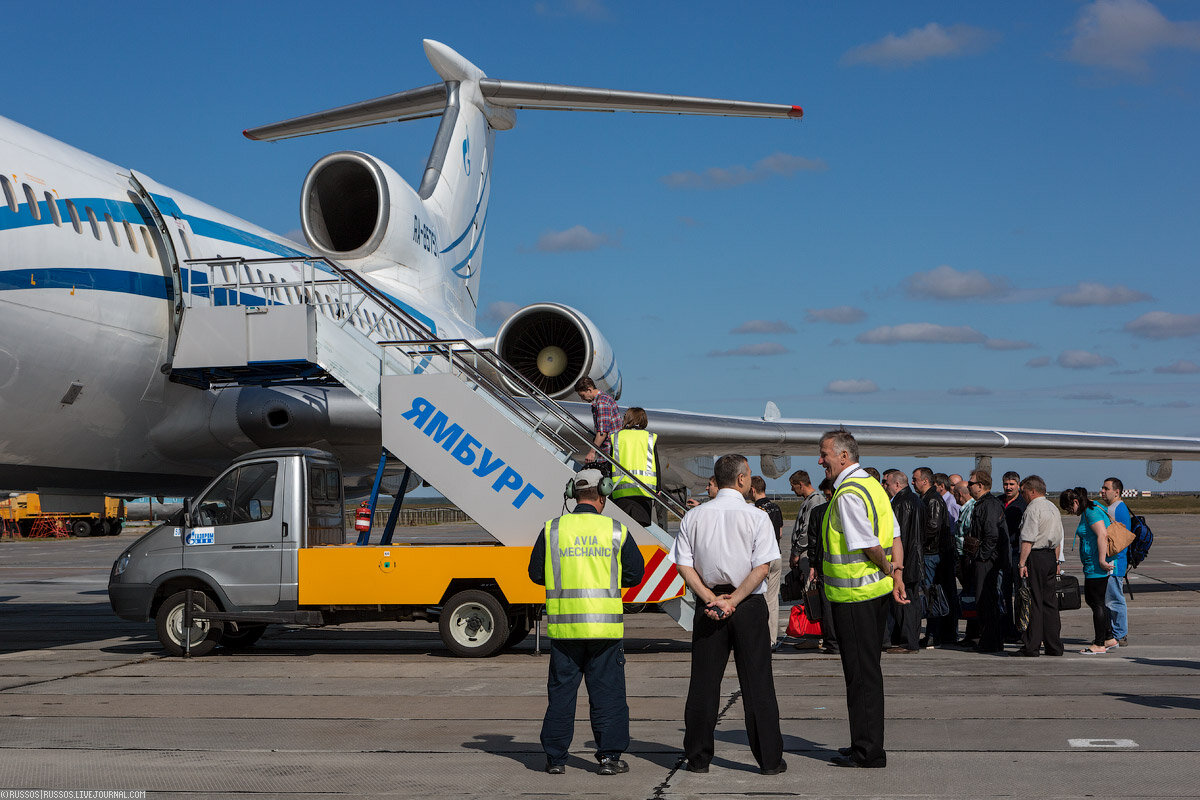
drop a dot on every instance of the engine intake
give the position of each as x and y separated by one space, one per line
553 346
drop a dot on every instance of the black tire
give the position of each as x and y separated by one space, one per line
517 634
168 622
474 624
81 528
102 527
245 636
115 529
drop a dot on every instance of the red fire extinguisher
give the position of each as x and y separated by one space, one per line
362 517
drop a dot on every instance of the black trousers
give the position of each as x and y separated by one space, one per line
638 507
1094 591
1045 626
860 629
744 633
903 625
988 607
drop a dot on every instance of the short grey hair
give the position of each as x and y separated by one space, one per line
843 442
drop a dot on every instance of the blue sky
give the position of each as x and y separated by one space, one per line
989 215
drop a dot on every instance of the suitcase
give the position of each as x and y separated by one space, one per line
800 626
1066 589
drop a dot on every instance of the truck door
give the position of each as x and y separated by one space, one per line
238 534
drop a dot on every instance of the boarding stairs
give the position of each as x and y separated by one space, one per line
456 414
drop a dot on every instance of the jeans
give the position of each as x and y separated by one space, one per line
1114 600
602 663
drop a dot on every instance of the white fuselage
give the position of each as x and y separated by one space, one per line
91 274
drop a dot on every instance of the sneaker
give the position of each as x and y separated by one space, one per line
555 769
613 766
1123 641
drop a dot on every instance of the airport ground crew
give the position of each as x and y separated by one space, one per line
635 449
862 554
584 559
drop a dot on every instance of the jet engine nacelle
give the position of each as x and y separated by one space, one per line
355 207
553 346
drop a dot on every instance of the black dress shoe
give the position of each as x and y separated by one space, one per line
1024 654
556 769
775 771
845 751
847 761
686 767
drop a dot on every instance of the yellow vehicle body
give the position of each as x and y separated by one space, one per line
413 574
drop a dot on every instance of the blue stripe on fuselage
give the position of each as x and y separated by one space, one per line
101 280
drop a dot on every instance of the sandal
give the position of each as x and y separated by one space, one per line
1087 651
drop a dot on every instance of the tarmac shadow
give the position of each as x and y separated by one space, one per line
1163 701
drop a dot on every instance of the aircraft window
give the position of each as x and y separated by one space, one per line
129 235
34 208
53 206
112 229
91 215
74 212
149 244
9 195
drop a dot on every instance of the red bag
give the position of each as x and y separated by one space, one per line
799 625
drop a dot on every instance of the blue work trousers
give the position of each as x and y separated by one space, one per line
601 663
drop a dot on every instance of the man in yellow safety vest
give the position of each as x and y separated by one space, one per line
636 450
584 559
862 554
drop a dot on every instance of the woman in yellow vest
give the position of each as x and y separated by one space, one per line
636 450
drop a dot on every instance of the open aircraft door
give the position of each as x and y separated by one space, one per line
173 238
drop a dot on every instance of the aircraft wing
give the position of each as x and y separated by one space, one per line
690 437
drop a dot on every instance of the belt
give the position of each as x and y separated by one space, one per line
1041 549
723 588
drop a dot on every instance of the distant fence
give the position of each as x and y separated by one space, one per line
414 517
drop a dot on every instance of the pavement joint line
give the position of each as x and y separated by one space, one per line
659 791
85 673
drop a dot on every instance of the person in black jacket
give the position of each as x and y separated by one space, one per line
903 632
1014 508
987 545
816 554
936 538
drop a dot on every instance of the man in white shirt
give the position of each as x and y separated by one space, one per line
723 551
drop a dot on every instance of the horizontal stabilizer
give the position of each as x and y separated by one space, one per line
519 94
427 101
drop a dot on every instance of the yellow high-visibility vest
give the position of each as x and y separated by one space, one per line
633 449
583 577
849 576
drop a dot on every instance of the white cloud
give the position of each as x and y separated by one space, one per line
1178 404
1180 367
1087 396
842 315
920 44
575 239
1007 344
1164 325
1097 294
947 283
921 332
1121 34
781 164
1040 361
851 387
753 350
764 326
969 391
499 311
1083 359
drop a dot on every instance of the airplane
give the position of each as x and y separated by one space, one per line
96 259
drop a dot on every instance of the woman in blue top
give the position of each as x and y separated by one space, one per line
1093 552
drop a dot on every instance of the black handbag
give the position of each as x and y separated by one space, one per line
1066 590
812 599
936 604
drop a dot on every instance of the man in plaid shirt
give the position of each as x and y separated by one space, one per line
606 419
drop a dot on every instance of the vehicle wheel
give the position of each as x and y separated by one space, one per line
245 636
474 624
517 634
81 528
102 527
114 529
169 624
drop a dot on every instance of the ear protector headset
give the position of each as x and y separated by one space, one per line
605 488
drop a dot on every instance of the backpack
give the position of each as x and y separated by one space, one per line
1143 538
